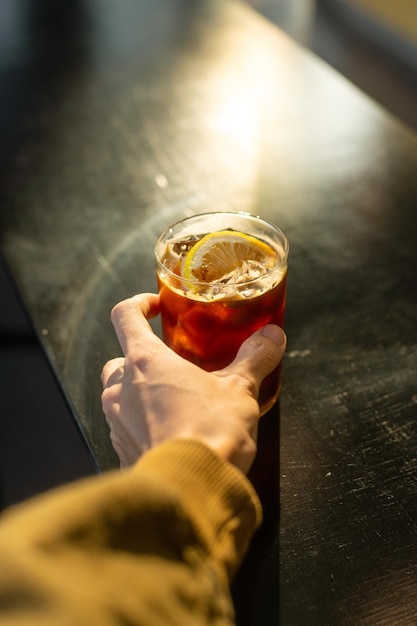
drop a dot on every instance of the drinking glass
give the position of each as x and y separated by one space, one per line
206 322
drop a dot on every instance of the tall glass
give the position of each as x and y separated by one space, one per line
206 322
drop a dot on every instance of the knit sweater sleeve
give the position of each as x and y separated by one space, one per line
153 545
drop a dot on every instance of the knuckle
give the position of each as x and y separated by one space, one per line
243 382
124 305
116 310
266 349
108 398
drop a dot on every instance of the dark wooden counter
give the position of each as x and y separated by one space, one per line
119 118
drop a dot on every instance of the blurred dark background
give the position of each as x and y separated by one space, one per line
373 43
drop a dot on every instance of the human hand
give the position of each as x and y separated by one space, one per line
152 394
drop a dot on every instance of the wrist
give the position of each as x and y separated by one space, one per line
214 493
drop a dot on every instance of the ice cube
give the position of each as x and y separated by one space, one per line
180 247
247 271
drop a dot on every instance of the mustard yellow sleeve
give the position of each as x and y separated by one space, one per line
153 545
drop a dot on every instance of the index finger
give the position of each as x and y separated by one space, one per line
130 316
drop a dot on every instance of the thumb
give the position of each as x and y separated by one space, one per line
258 356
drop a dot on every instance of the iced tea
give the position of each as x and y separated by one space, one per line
206 321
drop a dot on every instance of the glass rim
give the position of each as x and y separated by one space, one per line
204 285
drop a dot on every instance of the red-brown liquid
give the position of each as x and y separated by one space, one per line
209 333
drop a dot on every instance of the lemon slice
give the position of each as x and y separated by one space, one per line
220 253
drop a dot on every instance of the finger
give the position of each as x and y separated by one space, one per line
259 355
130 317
112 371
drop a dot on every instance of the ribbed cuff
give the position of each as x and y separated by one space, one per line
221 503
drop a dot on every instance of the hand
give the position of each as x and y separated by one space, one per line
152 394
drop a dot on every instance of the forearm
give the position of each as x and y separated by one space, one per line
153 545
